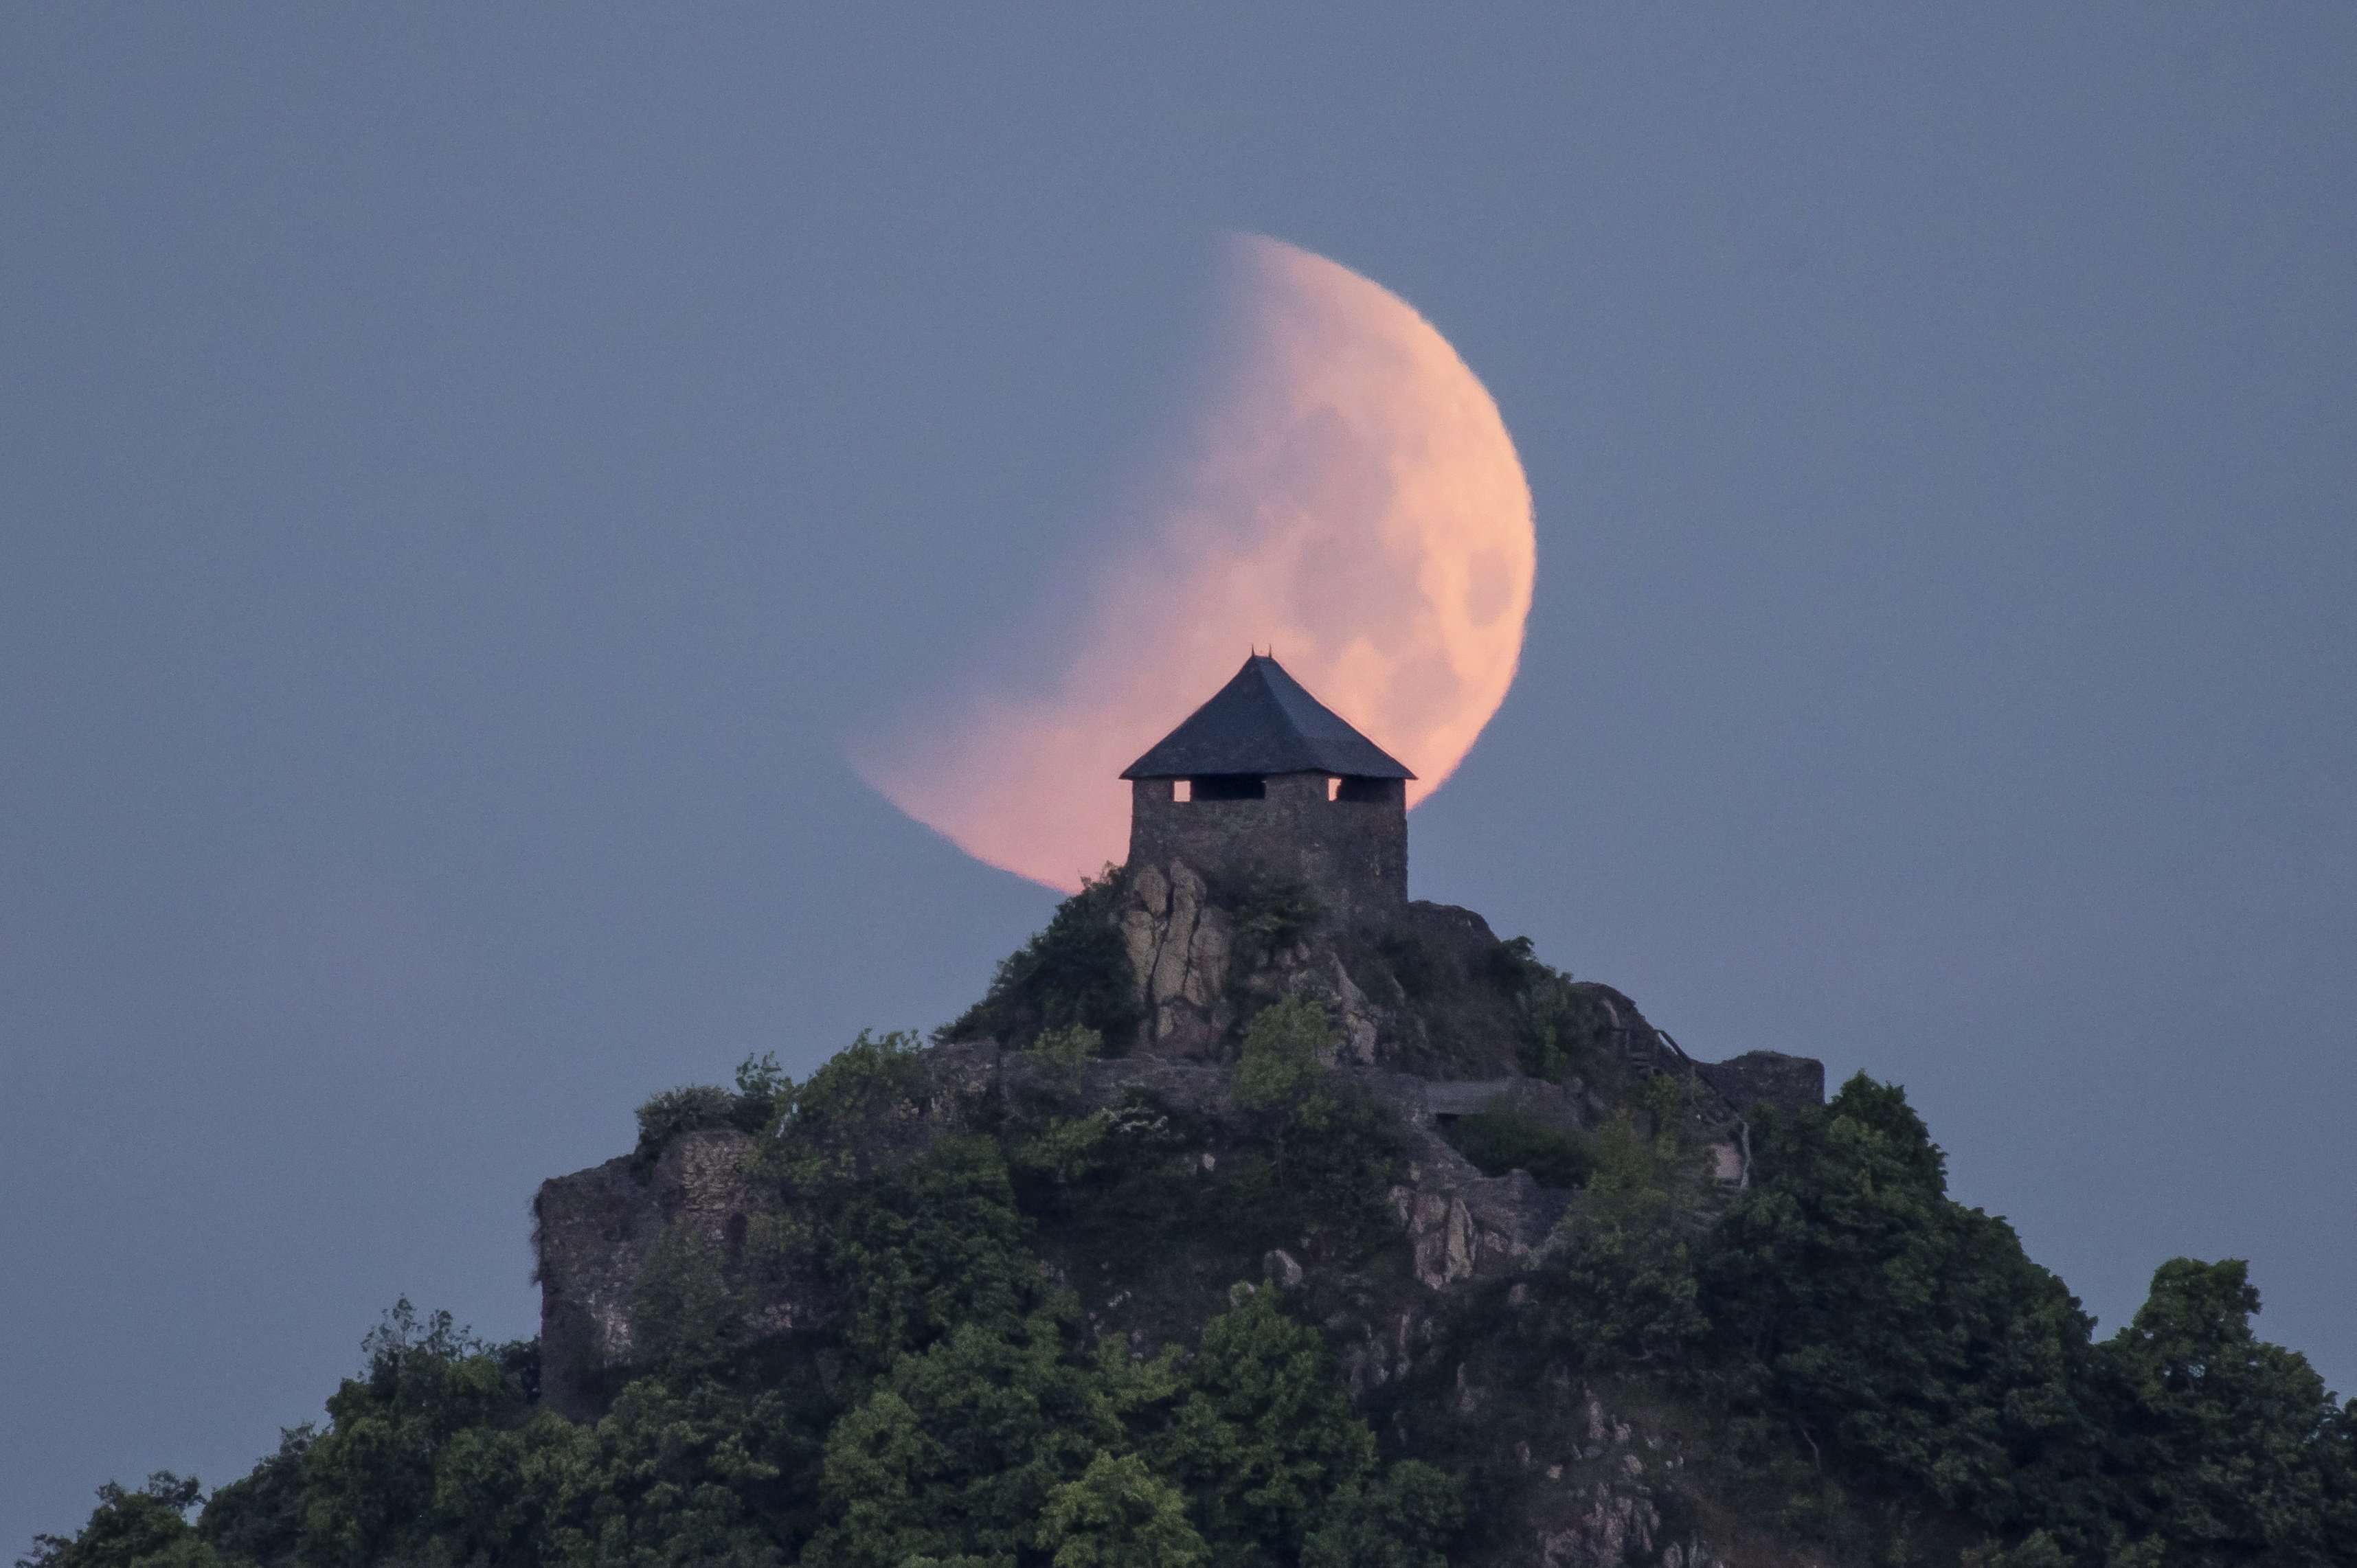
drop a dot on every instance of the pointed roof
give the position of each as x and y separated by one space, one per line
1263 721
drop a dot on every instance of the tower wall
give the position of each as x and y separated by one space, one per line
1352 852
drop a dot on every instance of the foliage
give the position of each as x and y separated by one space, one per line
371 1478
1282 1055
1331 1150
1075 971
763 1093
863 1109
1264 1434
691 1107
1872 1369
923 1248
1403 1519
1118 1172
1557 1030
145 1529
1506 1138
1274 915
1060 1058
257 1518
2240 1453
1624 1289
1120 1514
1903 1333
960 1450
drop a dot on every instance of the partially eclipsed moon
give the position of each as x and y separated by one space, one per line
1349 497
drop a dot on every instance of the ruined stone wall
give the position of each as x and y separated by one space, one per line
1767 1078
593 1233
1353 852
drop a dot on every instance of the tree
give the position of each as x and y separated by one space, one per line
1903 1335
1265 1433
1120 1514
959 1449
370 1479
1402 1520
2235 1450
146 1528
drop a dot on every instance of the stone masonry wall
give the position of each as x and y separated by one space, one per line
1353 852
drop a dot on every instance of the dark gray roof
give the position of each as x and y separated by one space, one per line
1263 721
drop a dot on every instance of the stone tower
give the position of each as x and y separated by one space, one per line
1263 781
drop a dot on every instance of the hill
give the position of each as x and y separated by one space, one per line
1217 1234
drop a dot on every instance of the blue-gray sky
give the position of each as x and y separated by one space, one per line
462 471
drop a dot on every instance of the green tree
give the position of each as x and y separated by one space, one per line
1120 1514
1619 1285
145 1529
926 1247
1403 1519
370 1480
1901 1334
1556 1028
2234 1451
959 1448
1264 1434
689 1467
259 1517
1506 1138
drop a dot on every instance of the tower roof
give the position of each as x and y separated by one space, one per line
1263 721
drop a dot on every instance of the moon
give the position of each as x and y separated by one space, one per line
1347 495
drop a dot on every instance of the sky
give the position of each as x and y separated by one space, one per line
465 472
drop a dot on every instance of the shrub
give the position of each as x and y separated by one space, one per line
1622 1287
1265 1433
1402 1520
922 1248
1333 1150
1507 1138
691 1108
1062 1055
862 1109
1282 1051
1276 913
2243 1455
1556 1030
1904 1336
371 1480
1075 971
763 1095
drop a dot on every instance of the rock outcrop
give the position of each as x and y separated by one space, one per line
1179 947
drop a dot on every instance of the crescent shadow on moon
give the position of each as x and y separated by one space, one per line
1347 493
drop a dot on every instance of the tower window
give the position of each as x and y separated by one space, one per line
1182 789
1231 786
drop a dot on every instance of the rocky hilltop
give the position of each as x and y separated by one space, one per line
1435 1023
